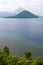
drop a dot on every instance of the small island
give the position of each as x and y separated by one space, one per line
24 14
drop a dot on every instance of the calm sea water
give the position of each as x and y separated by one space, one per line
21 35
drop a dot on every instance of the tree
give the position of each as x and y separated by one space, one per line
28 54
6 50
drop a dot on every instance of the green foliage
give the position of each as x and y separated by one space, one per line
6 50
28 54
38 61
7 59
24 62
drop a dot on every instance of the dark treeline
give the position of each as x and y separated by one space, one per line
7 59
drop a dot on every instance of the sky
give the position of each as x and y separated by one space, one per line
34 6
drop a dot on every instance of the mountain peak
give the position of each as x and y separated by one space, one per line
17 11
25 14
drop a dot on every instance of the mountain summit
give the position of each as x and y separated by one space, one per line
24 14
17 11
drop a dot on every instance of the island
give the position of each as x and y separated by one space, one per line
24 14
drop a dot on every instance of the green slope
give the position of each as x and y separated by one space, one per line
24 14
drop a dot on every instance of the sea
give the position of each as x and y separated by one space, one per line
21 35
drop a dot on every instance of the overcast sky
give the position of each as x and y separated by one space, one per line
35 6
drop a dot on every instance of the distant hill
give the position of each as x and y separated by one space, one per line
24 14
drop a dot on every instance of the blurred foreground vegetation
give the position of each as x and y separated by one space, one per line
7 59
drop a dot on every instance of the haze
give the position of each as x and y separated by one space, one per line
35 6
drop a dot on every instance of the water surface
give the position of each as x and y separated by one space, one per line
21 35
